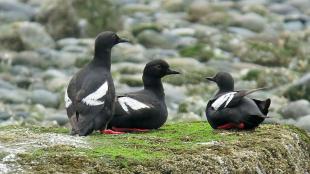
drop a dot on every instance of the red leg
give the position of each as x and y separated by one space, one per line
231 126
129 129
226 126
109 131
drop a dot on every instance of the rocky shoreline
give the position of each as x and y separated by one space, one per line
262 43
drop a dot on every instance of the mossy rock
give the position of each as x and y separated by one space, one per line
192 71
299 90
271 77
131 80
175 148
100 15
209 13
280 52
145 26
199 51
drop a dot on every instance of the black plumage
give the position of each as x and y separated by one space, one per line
144 109
233 109
90 95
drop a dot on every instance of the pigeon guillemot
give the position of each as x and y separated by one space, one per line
144 109
233 109
90 95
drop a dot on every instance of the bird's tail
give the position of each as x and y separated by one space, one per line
247 92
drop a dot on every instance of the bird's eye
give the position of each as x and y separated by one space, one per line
158 67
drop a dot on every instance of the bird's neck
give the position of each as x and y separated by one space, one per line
103 58
153 84
225 89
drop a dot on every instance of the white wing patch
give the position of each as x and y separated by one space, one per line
126 102
93 98
68 101
226 98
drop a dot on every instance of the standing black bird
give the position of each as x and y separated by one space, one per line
233 109
144 109
90 95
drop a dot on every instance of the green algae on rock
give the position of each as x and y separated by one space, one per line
175 148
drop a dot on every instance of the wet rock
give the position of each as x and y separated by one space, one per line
59 18
128 53
60 118
127 68
157 53
13 96
59 59
132 80
12 11
270 77
57 84
209 13
304 122
283 8
138 8
53 73
29 58
138 28
241 31
190 74
45 98
6 85
98 15
34 36
20 70
151 39
24 35
174 5
300 89
296 109
4 115
302 5
251 21
293 26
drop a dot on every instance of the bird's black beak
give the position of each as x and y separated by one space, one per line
169 71
121 40
211 79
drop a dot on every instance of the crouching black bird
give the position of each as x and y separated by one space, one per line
144 109
233 109
90 95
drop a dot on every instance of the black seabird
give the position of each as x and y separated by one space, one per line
90 95
144 109
233 109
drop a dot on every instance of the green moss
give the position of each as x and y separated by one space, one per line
175 148
199 51
297 92
252 75
145 26
189 76
131 80
100 14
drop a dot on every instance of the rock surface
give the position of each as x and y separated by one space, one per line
176 148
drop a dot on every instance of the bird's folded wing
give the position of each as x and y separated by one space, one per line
128 102
95 98
223 101
68 101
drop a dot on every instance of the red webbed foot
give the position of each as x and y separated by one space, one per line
110 131
130 129
232 126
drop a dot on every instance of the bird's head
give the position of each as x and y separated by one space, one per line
223 80
106 40
158 69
